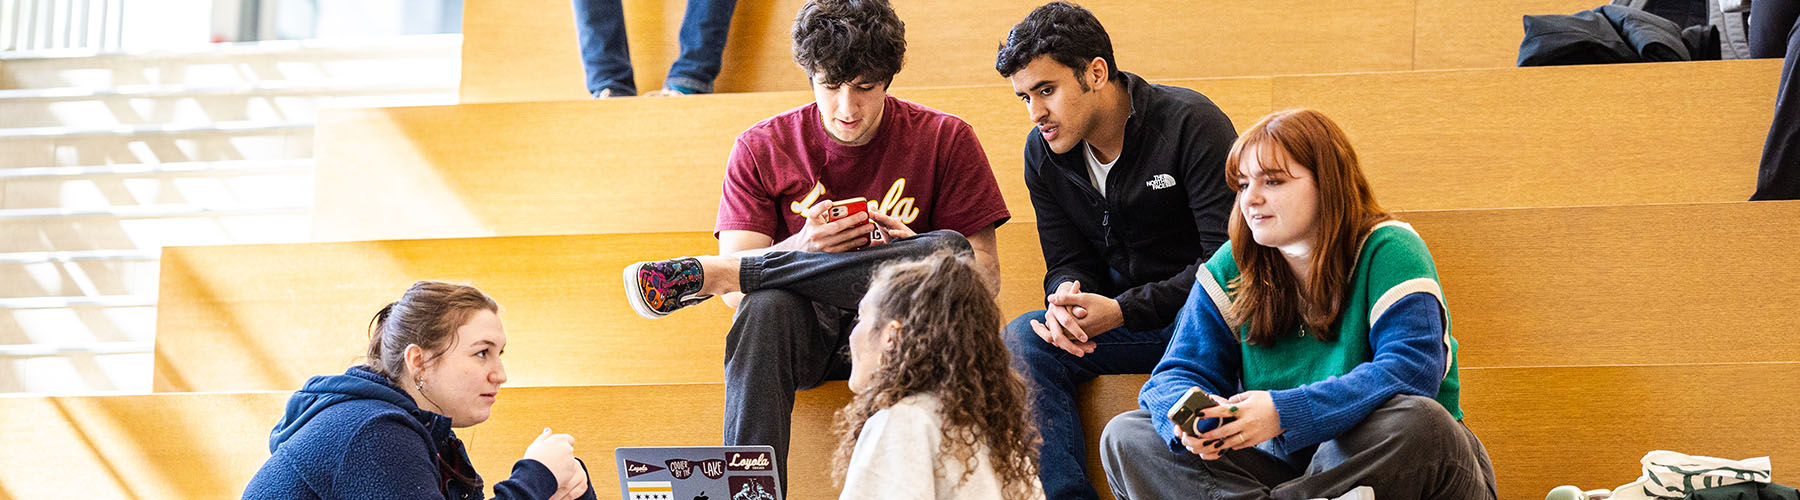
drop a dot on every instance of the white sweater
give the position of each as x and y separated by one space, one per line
897 457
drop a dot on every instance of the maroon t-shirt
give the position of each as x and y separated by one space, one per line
924 167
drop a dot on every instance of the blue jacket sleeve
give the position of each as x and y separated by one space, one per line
1202 353
1410 358
387 459
530 478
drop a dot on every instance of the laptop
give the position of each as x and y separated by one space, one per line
698 473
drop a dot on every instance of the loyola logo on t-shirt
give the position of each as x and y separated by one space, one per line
893 203
749 462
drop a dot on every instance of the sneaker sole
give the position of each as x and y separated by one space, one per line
634 294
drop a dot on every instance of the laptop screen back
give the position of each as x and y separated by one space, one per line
698 473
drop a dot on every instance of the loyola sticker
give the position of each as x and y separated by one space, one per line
749 462
635 469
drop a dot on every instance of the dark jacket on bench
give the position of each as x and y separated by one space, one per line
1612 34
1164 211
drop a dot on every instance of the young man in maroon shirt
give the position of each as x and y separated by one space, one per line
794 274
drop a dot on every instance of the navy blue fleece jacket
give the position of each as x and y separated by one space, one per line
357 435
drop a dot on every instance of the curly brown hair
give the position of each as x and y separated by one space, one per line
838 41
948 346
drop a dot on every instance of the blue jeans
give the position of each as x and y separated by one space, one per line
1773 34
1054 373
600 28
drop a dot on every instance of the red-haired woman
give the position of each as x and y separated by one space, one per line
1324 335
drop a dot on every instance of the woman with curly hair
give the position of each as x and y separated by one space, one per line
938 411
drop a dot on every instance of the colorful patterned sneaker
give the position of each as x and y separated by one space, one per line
657 288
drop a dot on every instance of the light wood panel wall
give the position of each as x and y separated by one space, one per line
1454 34
1574 135
526 50
1428 140
1526 287
155 446
1542 426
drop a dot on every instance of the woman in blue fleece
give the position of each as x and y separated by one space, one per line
383 430
1323 322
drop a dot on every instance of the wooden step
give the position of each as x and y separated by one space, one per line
431 59
954 43
1526 287
97 232
65 146
1542 426
245 189
1583 425
1485 138
176 104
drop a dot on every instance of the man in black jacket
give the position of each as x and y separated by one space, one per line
1127 179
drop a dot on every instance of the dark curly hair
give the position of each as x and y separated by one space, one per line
948 346
1064 31
838 41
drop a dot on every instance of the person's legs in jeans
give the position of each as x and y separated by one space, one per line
600 29
790 330
1054 373
1408 448
1778 176
1140 466
704 29
1770 23
838 279
659 288
1772 33
780 342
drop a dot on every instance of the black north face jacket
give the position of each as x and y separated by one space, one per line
1164 212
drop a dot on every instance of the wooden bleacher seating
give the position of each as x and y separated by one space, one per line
953 43
219 329
1581 135
1527 287
602 160
1543 426
1590 335
147 446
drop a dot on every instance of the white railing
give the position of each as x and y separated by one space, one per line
61 24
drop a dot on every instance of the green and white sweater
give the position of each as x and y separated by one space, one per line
1393 337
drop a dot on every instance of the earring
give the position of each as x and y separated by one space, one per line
419 384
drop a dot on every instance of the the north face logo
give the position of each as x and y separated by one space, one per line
1161 181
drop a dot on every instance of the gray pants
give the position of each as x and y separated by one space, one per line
1408 448
791 329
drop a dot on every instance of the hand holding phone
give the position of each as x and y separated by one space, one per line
1186 412
845 208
